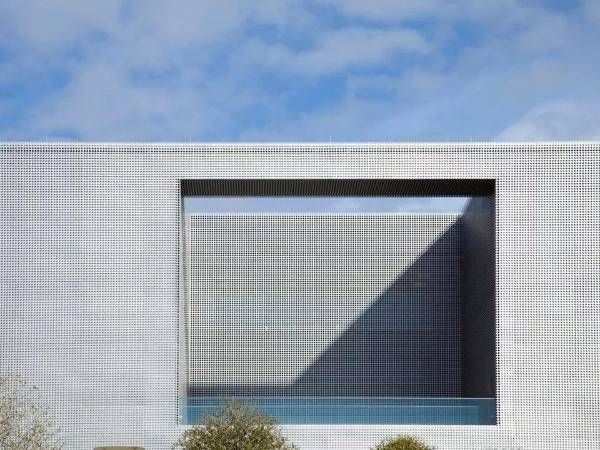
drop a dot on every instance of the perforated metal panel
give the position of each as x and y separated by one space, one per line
90 281
324 305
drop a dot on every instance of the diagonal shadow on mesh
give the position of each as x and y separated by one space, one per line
406 343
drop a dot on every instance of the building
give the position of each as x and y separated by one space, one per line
131 316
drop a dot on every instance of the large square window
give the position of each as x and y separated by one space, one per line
341 301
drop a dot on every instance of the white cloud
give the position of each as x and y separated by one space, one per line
346 205
202 59
431 204
591 11
337 50
393 10
476 94
51 26
101 101
496 14
558 120
346 120
41 34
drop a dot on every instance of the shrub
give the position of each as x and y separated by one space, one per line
235 427
402 443
24 425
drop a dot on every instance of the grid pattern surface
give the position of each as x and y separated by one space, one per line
90 280
324 305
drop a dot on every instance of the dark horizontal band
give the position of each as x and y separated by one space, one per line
338 187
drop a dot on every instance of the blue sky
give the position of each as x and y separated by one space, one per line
346 205
309 70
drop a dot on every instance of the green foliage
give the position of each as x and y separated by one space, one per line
235 427
24 425
402 443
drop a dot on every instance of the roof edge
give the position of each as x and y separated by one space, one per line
375 145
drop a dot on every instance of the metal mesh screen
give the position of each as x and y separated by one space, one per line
324 304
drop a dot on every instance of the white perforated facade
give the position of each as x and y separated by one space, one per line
91 282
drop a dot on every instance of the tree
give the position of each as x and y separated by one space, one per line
235 427
402 443
24 425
